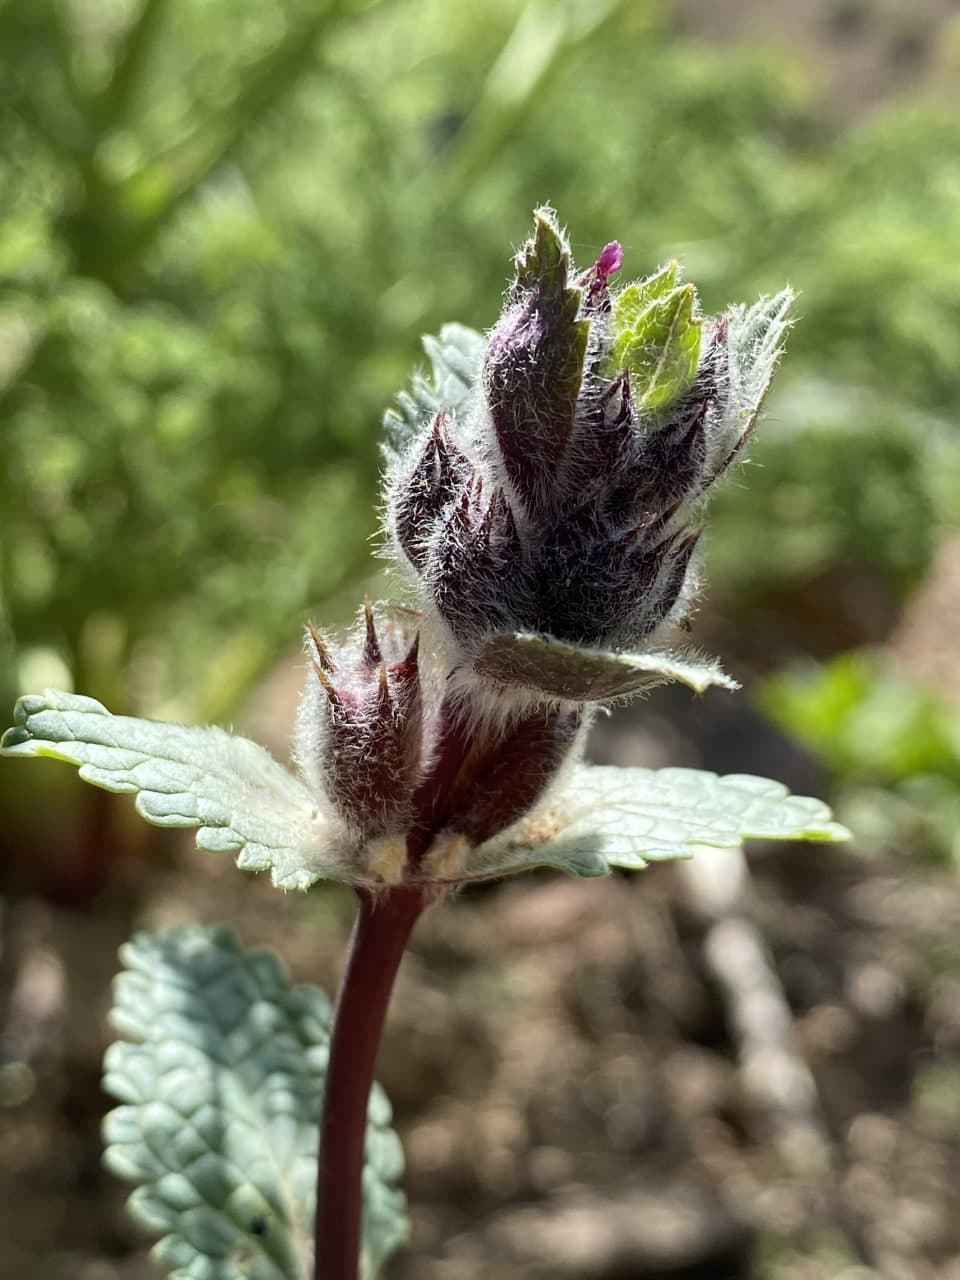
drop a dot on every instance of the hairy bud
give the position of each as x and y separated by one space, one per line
559 492
360 727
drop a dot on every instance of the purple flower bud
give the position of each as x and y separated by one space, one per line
562 495
594 280
438 471
361 726
533 369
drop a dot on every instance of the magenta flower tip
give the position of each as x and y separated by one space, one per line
610 260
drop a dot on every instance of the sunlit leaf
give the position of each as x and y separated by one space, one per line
220 1089
633 300
604 817
657 337
240 799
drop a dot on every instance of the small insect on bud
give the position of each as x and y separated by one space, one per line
360 727
561 498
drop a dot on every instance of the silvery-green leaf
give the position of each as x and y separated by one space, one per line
455 355
604 817
240 799
755 337
561 670
220 1089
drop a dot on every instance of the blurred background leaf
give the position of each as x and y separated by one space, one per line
892 744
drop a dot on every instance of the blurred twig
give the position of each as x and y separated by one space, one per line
133 55
542 36
774 1074
179 170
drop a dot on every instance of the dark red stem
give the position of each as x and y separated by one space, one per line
382 928
430 798
380 933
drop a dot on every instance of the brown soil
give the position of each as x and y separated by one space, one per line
565 1077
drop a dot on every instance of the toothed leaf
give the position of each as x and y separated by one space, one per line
455 355
660 344
633 300
240 799
220 1095
603 817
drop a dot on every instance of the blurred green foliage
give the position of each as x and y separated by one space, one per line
838 477
892 744
225 224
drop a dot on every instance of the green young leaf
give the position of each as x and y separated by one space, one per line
543 263
657 337
455 356
220 1092
604 817
633 300
562 670
233 790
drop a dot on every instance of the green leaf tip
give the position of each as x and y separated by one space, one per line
237 796
220 1088
633 300
544 261
656 337
755 338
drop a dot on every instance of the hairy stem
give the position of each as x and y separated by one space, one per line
380 933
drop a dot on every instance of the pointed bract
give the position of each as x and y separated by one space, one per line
533 368
360 732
